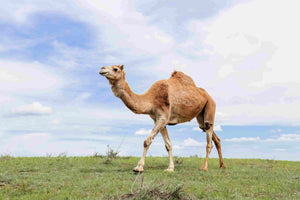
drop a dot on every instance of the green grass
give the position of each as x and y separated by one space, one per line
94 178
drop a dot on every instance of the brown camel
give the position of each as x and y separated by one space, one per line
168 102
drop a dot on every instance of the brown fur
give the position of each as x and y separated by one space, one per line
168 102
161 98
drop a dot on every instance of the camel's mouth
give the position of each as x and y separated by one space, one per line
103 73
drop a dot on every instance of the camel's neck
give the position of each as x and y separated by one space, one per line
136 103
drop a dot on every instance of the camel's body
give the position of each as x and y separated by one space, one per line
168 102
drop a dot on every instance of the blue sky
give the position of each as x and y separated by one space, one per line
242 52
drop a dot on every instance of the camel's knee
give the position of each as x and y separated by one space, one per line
207 125
168 147
209 146
147 142
202 128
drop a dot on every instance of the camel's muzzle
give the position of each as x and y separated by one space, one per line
103 73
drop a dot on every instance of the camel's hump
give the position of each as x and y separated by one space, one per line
183 78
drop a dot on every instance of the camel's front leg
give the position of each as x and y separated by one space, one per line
164 133
159 124
209 146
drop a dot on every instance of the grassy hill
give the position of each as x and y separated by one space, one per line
98 177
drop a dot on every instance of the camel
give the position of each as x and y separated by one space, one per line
168 102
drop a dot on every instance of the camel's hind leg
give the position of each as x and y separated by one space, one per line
206 122
200 120
209 135
209 146
215 138
206 117
209 113
217 142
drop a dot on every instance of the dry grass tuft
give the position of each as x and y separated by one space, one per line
161 191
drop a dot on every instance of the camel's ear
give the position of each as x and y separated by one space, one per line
121 67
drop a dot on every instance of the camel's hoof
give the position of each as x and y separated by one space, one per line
204 169
138 170
169 170
222 167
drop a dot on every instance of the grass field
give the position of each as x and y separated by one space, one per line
97 177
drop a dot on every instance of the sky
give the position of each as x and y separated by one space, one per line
244 53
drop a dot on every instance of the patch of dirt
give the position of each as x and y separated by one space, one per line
4 183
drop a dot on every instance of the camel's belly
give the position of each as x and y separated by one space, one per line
186 114
175 121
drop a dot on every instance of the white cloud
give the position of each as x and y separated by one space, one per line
192 142
156 143
32 109
7 44
143 132
25 145
276 130
258 113
196 129
6 99
81 98
244 32
23 77
54 121
162 37
221 116
177 147
281 138
218 128
243 139
280 150
253 62
36 136
107 113
247 34
124 29
225 70
15 12
285 138
41 144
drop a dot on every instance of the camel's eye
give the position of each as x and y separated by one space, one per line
115 69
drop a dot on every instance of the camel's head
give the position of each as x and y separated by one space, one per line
114 72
